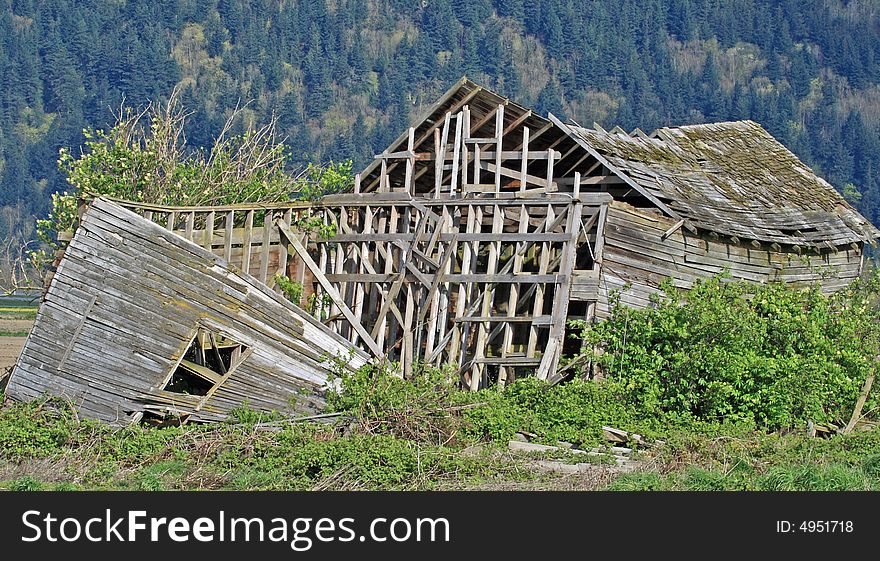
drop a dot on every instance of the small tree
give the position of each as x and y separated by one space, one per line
144 157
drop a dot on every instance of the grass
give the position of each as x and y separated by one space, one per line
14 333
23 312
44 446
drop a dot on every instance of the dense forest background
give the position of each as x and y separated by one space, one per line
345 77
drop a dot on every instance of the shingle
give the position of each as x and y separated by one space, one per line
734 178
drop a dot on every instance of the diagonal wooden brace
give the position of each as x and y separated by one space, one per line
328 287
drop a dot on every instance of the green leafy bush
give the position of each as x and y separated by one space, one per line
36 429
144 158
769 355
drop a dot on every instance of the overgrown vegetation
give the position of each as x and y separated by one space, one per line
145 157
727 377
769 356
43 445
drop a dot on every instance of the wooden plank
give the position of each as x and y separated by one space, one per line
538 306
466 127
456 154
76 332
227 242
438 163
360 255
328 287
439 319
282 249
513 297
383 176
408 184
562 296
190 222
672 229
264 252
209 230
406 337
246 243
499 132
455 350
200 371
550 186
598 251
488 294
524 165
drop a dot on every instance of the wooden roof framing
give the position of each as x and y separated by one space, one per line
419 142
731 179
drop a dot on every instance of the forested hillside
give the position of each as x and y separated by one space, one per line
345 76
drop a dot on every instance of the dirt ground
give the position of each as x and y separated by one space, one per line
10 347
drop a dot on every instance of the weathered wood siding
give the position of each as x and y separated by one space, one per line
635 253
123 307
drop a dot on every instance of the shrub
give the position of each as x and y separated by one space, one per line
144 157
769 355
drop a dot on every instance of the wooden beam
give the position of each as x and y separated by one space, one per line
860 404
524 166
456 153
499 139
246 244
266 248
674 228
328 287
488 297
227 236
562 295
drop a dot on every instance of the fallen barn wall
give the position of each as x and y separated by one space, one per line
124 307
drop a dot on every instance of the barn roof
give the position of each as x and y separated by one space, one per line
733 178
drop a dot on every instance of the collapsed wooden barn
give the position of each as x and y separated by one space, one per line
484 229
476 236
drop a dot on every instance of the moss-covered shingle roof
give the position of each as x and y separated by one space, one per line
734 178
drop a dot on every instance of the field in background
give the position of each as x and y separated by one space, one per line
17 313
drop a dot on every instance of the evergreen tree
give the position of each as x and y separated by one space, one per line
65 65
550 99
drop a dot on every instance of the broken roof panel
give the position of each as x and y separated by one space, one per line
138 319
733 178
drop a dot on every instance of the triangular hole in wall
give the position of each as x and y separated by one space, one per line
207 361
